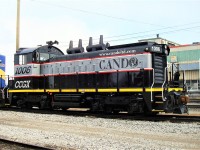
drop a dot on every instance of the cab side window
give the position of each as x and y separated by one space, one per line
22 59
44 57
25 59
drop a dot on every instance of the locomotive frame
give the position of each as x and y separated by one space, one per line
129 77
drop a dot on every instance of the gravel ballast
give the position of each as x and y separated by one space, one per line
72 132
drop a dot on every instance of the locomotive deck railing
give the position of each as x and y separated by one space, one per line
170 66
152 84
2 92
165 80
172 80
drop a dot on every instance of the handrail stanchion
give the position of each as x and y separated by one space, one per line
44 84
152 85
77 83
165 79
118 81
96 79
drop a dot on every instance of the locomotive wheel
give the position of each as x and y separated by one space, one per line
108 110
131 108
116 112
2 103
29 105
148 112
95 107
42 104
20 103
64 109
169 103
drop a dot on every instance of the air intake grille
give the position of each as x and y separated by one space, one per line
159 68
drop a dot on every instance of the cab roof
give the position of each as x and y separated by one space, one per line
44 48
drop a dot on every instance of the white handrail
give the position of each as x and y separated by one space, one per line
165 78
3 96
184 84
152 85
7 93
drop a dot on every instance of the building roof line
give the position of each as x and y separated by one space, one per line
184 45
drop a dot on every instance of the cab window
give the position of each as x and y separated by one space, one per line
44 57
22 59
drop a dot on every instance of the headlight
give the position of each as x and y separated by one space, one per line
166 52
146 49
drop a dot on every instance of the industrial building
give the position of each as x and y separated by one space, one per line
186 58
160 40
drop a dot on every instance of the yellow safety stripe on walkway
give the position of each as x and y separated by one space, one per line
26 90
107 90
52 90
161 89
87 90
94 90
130 89
68 90
153 89
175 89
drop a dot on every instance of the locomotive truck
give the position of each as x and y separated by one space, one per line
129 77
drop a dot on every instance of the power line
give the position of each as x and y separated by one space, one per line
112 38
170 27
134 37
96 13
166 32
119 18
140 36
147 35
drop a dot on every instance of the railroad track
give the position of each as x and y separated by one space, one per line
13 145
194 103
84 113
77 112
194 99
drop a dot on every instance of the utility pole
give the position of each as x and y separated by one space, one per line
18 25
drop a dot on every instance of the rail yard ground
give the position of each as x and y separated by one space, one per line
87 132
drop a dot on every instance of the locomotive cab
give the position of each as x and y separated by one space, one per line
28 65
36 55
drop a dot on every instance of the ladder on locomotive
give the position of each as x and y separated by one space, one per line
159 81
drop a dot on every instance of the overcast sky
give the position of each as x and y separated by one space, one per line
120 21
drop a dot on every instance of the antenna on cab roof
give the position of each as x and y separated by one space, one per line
51 43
